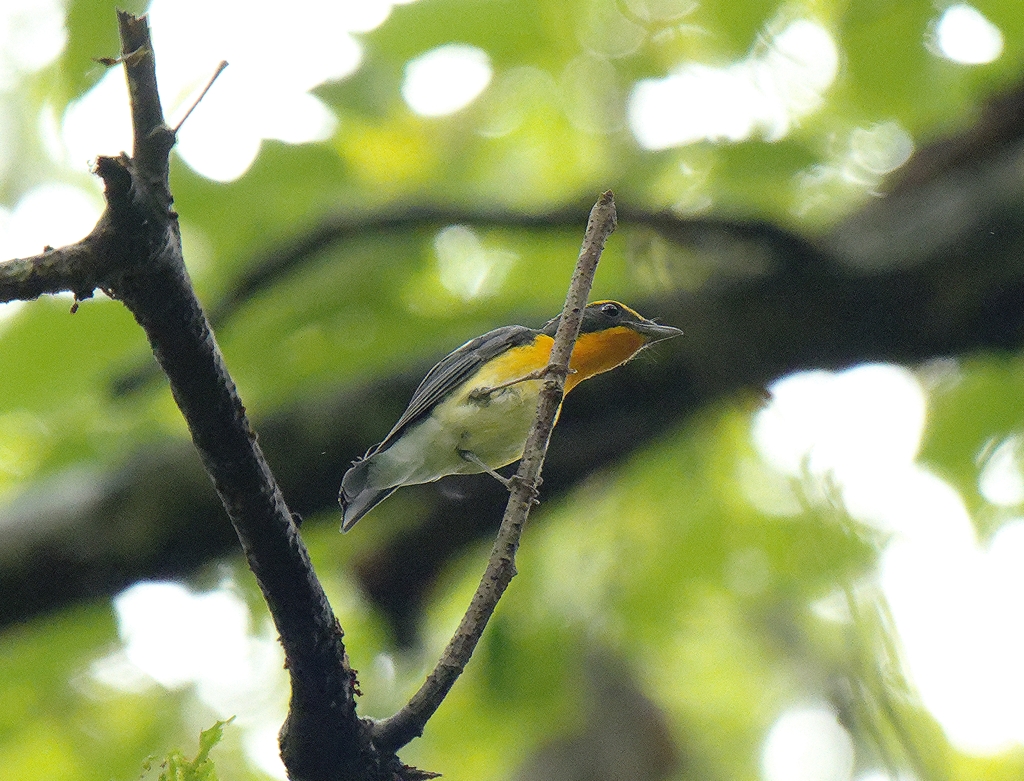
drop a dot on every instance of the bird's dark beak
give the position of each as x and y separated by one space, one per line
654 332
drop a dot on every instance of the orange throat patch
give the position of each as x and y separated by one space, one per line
602 351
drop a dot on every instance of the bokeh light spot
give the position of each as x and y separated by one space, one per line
467 269
782 80
964 35
807 743
446 79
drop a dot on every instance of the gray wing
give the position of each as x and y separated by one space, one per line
454 369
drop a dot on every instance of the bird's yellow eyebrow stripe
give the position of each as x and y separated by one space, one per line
619 304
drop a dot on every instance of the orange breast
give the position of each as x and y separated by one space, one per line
602 351
594 353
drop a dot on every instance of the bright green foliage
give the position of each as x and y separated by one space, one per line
49 695
178 767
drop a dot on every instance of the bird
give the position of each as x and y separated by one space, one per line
473 410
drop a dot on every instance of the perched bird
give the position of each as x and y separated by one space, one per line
473 410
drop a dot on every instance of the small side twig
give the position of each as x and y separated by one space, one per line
74 267
392 733
220 69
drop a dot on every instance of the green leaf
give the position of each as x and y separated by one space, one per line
177 767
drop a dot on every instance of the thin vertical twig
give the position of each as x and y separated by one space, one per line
392 733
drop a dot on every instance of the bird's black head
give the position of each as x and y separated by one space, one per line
604 315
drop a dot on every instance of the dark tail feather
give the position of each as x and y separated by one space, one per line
355 498
355 508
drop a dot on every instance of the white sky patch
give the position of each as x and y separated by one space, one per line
51 214
446 79
178 638
964 35
957 617
839 422
32 35
953 597
783 79
99 123
276 57
807 743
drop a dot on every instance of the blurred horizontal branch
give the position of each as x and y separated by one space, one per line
932 270
290 257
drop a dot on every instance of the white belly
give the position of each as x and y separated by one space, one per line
494 430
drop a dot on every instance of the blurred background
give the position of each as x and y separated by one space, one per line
786 546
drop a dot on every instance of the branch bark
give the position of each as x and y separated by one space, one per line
74 267
392 733
321 737
134 254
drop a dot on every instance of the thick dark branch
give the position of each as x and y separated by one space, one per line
152 138
72 268
134 254
320 740
321 732
393 733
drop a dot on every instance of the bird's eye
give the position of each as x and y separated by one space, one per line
612 310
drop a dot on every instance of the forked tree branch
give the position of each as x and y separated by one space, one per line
134 254
392 733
